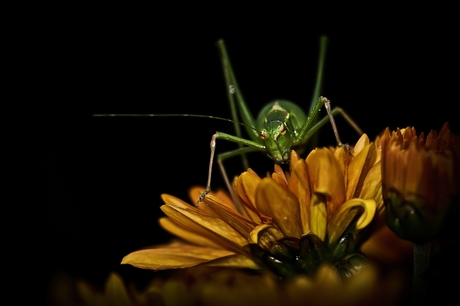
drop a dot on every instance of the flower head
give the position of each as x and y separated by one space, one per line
421 181
317 212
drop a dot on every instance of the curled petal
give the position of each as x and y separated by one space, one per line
264 235
346 215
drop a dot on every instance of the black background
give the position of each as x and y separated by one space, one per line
90 186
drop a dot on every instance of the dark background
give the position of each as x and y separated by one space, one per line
90 186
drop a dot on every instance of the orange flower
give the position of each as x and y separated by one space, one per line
320 211
421 181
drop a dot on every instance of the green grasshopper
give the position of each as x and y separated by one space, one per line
281 126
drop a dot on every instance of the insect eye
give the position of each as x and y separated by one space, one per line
282 129
264 134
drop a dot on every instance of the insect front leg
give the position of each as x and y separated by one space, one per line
250 146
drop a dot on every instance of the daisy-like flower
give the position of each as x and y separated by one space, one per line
421 182
292 222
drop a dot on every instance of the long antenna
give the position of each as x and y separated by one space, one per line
172 115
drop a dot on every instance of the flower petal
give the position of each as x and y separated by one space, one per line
357 170
231 217
233 261
342 218
326 178
360 144
211 227
186 233
279 176
173 257
245 185
281 204
300 186
318 215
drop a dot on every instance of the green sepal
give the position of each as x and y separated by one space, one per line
410 221
350 239
352 264
312 252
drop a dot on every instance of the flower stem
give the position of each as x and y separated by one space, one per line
422 258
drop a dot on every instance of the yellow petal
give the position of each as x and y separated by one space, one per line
249 182
187 234
172 200
326 178
246 185
211 227
343 156
173 257
360 144
299 185
234 261
281 204
372 186
357 170
231 217
318 215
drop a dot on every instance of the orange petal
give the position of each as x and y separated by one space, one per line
281 204
233 261
326 178
213 228
280 179
299 185
318 215
187 234
246 185
279 176
357 170
360 144
372 186
231 216
173 257
249 182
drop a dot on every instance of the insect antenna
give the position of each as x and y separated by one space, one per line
175 115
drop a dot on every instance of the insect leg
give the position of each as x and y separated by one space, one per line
251 146
330 118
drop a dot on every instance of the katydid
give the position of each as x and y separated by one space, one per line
281 126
